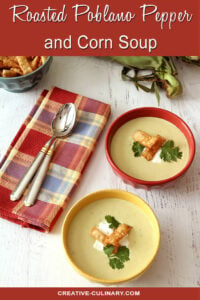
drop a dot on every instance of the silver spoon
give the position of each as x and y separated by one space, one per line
61 126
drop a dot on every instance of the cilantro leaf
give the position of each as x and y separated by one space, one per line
123 253
112 221
168 144
169 152
137 148
116 263
108 250
117 260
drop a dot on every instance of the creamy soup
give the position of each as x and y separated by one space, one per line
142 238
139 167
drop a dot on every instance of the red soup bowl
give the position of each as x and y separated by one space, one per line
149 112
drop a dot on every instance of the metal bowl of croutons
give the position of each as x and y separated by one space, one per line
21 73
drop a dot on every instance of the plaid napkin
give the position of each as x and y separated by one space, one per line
68 162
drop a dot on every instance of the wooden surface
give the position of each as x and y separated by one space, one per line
29 258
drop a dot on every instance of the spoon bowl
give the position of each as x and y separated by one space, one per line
64 121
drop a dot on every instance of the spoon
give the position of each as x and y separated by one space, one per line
61 126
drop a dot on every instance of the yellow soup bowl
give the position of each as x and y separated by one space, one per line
78 243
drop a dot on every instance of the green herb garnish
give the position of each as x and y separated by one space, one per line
137 149
117 260
123 253
169 152
113 223
116 263
108 250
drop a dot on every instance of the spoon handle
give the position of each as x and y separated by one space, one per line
22 184
38 179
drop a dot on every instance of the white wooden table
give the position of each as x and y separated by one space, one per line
32 259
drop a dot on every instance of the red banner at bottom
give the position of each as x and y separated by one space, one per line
106 293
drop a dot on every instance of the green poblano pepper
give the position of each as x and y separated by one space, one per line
191 59
163 73
140 62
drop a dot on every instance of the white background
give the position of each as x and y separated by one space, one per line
30 258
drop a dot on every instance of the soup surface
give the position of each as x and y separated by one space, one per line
139 167
142 238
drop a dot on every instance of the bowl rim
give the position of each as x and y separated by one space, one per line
149 182
26 75
121 193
